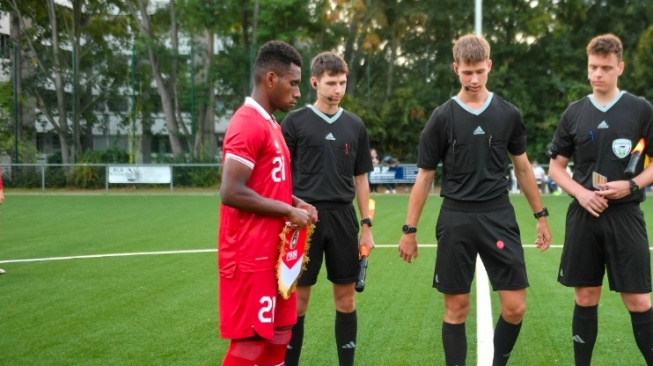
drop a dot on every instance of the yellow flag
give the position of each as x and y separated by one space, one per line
371 207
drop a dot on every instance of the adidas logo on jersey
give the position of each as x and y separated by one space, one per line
330 137
603 125
479 131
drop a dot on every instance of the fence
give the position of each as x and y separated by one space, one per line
104 176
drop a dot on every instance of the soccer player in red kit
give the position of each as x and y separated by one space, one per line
256 203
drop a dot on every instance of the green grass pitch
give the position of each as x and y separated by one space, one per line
158 308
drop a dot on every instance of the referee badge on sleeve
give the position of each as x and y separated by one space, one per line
292 257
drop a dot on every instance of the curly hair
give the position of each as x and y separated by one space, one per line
605 45
276 56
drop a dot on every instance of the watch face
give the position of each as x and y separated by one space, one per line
407 229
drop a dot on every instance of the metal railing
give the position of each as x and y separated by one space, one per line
97 176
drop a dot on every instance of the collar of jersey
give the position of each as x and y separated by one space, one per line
602 108
250 102
471 110
326 118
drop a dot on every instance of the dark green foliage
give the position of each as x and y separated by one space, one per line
93 176
197 175
399 55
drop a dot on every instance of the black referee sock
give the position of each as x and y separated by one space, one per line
294 349
454 341
643 330
505 337
585 327
346 329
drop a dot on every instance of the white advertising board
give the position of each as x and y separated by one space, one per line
131 174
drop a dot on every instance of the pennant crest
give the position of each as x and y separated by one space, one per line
293 256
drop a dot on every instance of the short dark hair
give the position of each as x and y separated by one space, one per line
471 48
604 45
330 63
276 56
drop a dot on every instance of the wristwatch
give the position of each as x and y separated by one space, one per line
543 213
633 186
407 229
367 221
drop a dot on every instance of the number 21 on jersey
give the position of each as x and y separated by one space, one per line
279 170
266 313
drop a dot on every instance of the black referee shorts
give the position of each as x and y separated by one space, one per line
489 230
334 241
615 240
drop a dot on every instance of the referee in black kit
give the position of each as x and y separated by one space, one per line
474 134
330 155
605 226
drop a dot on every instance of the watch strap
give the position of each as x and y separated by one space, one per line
543 213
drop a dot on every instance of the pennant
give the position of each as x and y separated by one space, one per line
293 256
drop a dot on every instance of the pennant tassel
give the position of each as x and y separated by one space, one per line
293 256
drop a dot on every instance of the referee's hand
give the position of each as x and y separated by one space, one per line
408 247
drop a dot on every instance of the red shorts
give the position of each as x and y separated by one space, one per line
250 305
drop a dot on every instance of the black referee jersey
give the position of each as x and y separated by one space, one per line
601 138
326 152
474 147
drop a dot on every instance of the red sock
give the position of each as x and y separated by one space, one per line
274 352
243 353
231 360
273 355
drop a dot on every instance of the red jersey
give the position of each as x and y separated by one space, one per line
0 179
246 241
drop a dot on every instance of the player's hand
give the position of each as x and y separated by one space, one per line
312 211
543 241
615 190
408 247
593 202
298 218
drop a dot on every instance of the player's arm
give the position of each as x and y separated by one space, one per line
362 186
235 193
418 196
528 185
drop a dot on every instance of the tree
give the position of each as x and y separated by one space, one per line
150 33
50 38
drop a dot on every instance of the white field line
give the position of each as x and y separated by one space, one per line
192 251
484 330
189 251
